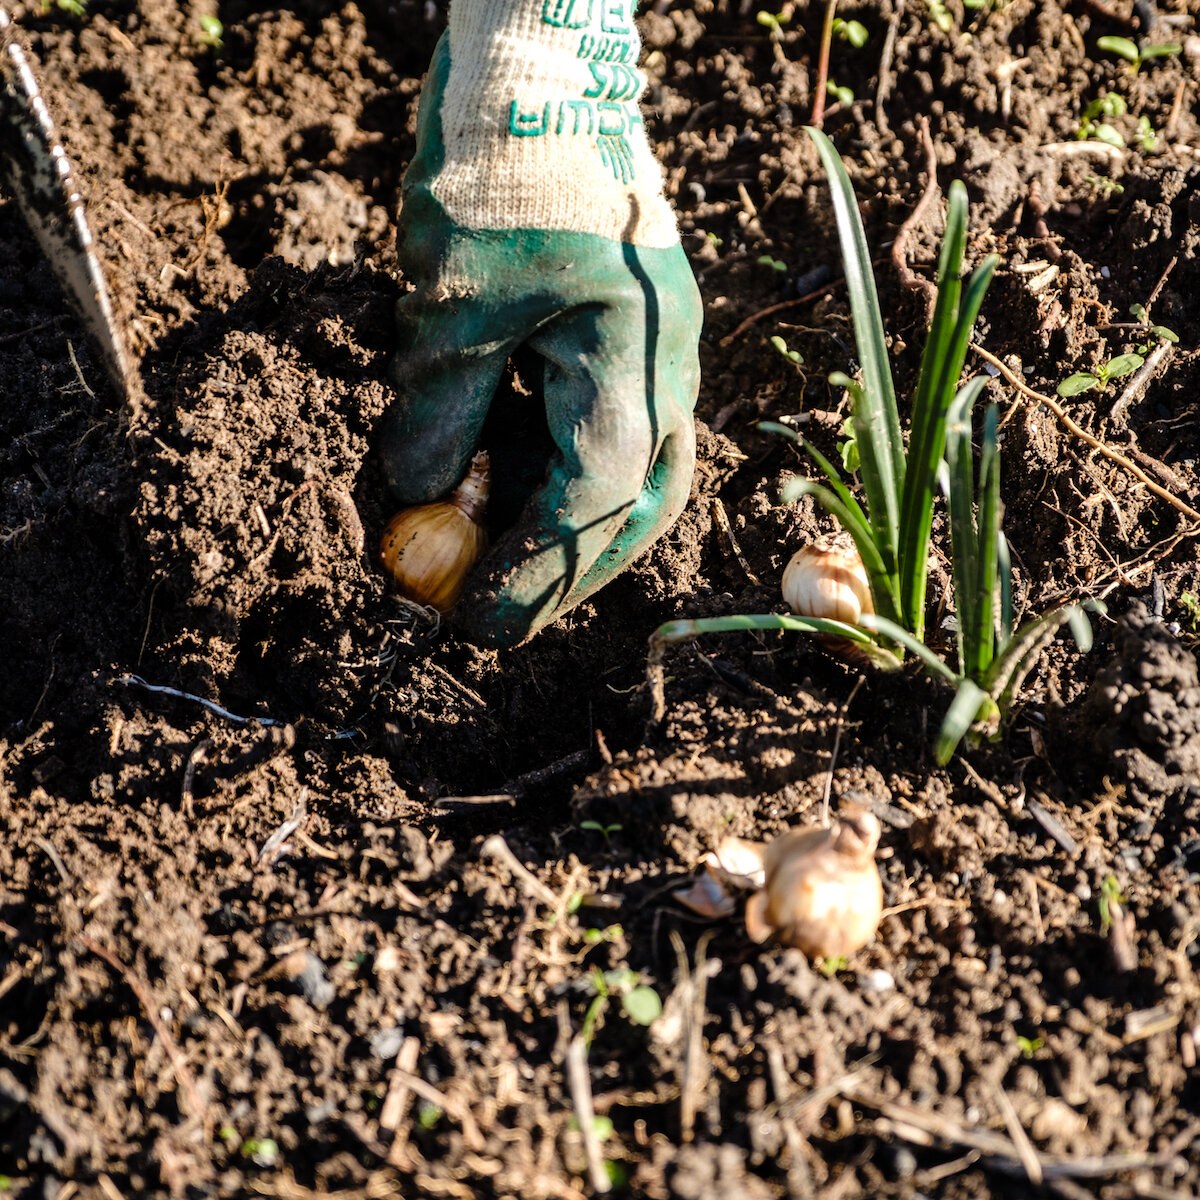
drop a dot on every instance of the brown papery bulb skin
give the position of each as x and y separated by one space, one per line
430 550
827 579
822 894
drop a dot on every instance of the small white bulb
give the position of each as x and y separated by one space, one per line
827 579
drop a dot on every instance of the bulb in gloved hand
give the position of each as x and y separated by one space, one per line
827 579
822 892
430 550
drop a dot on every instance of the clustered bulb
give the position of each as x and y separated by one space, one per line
430 550
827 579
822 892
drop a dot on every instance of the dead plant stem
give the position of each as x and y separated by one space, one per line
909 278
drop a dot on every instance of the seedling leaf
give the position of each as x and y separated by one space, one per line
1120 46
876 419
642 1005
960 716
1124 364
1081 381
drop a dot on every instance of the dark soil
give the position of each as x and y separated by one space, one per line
278 954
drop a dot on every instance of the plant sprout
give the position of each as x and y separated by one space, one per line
640 1003
1094 124
77 8
843 95
852 32
1137 56
781 347
1120 365
940 15
774 22
1191 607
891 531
1110 894
1100 375
606 830
212 33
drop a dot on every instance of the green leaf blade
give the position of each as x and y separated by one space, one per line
983 634
876 422
1073 385
964 709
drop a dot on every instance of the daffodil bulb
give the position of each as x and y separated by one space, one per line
822 893
430 550
827 579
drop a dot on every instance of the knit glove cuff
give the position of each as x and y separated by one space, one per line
541 126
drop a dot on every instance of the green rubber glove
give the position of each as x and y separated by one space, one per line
533 216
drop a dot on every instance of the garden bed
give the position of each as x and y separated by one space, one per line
200 653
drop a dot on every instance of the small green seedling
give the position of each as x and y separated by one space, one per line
1145 136
1110 894
940 15
717 241
618 1174
793 356
1137 56
641 1004
1105 186
1094 124
829 967
776 264
774 23
1191 607
212 33
843 95
1100 375
853 32
262 1152
429 1114
602 1126
1154 333
1029 1046
77 8
606 830
848 450
610 933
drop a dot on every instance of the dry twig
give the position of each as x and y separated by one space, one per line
1083 435
1140 379
1024 1147
909 278
585 1115
138 681
721 518
925 1127
497 849
694 1066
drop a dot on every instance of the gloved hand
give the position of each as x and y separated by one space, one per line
533 215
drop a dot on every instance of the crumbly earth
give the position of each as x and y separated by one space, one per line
278 947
